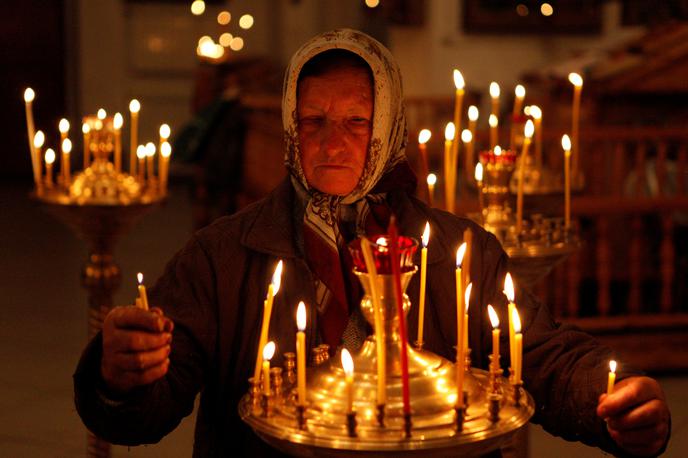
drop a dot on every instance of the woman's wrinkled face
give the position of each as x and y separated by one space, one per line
335 113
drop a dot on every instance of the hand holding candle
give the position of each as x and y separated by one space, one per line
301 353
612 377
348 365
142 292
423 272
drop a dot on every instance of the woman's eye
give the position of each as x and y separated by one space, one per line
311 121
359 122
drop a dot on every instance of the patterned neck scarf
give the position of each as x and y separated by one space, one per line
385 168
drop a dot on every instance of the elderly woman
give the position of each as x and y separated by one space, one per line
345 136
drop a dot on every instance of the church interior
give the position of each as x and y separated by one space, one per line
605 241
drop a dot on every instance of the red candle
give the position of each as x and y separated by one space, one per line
394 249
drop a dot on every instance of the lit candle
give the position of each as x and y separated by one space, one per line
63 127
301 353
348 365
141 154
431 180
467 301
479 181
494 97
459 299
577 82
86 130
494 123
423 138
518 346
494 319
268 352
510 295
134 107
380 347
528 132
458 107
150 154
461 351
49 160
66 154
29 96
472 123
165 152
612 377
164 132
520 93
423 273
536 114
117 125
468 239
566 145
38 140
467 139
142 292
273 289
449 133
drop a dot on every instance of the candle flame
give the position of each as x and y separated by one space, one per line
612 366
246 21
493 120
134 106
197 7
459 83
566 142
49 156
29 95
268 351
102 114
301 316
479 171
515 317
494 319
535 112
85 128
347 362
38 139
224 17
526 110
494 90
140 151
426 235
498 150
459 254
520 91
381 241
509 287
467 295
529 129
165 131
99 124
466 136
118 121
431 179
63 126
576 79
67 145
449 131
277 277
423 136
165 149
150 149
139 277
473 113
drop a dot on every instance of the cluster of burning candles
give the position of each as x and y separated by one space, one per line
532 129
93 127
390 245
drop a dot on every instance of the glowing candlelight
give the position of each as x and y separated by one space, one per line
150 155
49 160
520 93
66 165
165 153
348 365
63 127
101 114
479 181
273 289
460 253
518 346
528 132
536 114
142 292
423 138
449 134
566 145
494 97
423 273
467 301
268 353
86 130
577 82
458 107
470 147
141 154
431 180
510 295
134 108
301 353
494 123
164 132
38 141
117 125
612 377
494 319
29 96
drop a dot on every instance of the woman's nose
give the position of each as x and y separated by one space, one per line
333 141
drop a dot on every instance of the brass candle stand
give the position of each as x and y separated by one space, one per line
440 426
100 204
